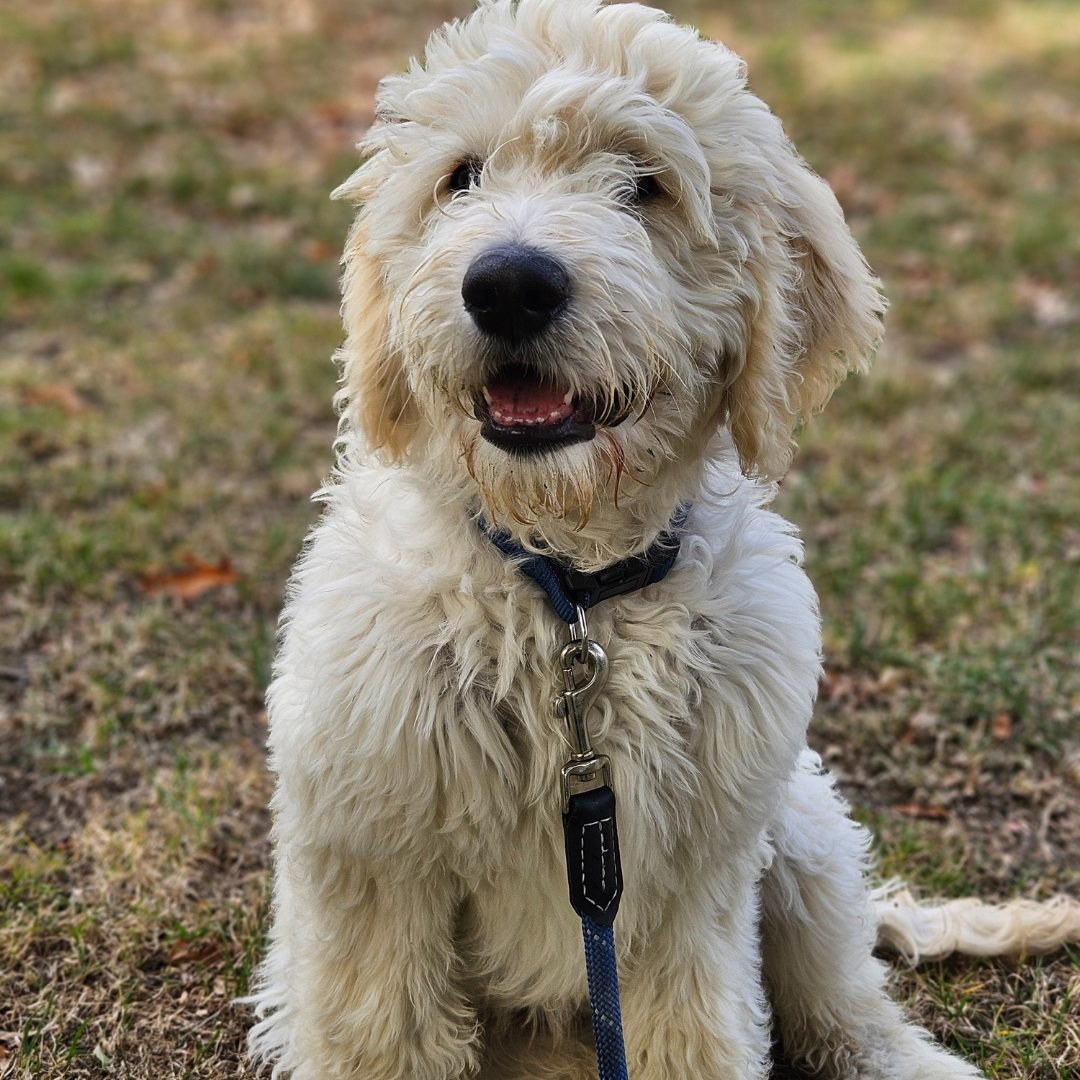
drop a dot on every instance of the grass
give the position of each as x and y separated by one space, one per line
168 310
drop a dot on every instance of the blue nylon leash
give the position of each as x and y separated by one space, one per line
593 866
604 999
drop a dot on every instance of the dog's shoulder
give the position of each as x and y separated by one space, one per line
381 552
373 607
737 543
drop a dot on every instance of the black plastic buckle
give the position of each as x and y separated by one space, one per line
633 573
623 577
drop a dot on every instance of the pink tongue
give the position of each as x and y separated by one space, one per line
515 399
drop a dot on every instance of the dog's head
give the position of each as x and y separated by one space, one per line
583 245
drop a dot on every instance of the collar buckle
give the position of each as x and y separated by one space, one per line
626 576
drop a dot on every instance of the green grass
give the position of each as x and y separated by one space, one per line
168 311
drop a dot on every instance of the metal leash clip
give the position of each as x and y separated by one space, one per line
586 769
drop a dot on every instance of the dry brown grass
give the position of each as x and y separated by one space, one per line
168 310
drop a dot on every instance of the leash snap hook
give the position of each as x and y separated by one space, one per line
578 697
585 769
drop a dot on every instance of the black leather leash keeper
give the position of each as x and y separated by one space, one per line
593 867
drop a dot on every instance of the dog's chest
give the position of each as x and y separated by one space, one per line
665 704
416 687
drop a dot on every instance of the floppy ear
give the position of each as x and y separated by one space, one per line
813 310
374 392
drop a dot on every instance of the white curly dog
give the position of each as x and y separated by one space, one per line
590 282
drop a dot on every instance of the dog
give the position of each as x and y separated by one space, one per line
590 283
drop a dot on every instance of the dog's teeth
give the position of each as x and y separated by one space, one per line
487 396
496 415
553 416
568 399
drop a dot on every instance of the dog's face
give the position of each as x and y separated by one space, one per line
583 245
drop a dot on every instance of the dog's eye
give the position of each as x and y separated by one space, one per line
647 188
466 175
640 188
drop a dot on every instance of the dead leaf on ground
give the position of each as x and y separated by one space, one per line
335 112
835 685
67 397
1001 726
1051 308
891 680
918 810
860 686
199 577
923 720
319 251
8 1052
1072 767
203 951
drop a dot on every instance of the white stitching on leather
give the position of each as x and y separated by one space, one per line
603 863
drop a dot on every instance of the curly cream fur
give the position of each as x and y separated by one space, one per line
929 931
421 927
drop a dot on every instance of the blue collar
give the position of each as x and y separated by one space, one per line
566 587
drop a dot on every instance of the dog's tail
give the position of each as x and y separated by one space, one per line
928 930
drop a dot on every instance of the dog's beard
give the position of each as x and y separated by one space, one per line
562 484
613 395
644 410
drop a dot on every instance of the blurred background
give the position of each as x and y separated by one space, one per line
168 309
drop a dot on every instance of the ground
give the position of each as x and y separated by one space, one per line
168 306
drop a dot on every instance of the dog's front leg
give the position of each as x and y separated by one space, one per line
828 990
378 994
693 1004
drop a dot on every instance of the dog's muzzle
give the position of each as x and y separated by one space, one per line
513 294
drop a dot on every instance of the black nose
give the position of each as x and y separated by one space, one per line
513 292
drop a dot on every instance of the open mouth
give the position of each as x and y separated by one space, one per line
522 412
